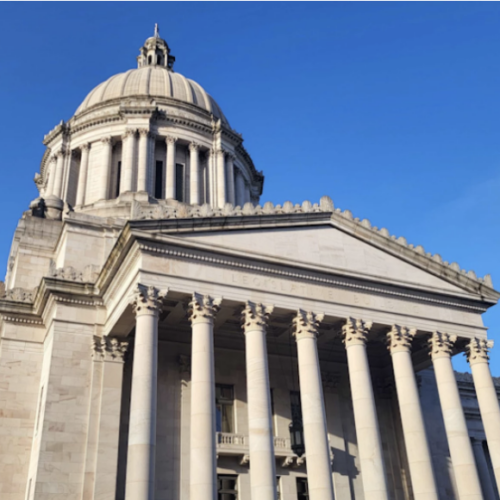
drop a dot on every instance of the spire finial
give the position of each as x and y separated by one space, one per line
157 31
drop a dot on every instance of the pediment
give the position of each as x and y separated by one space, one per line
331 249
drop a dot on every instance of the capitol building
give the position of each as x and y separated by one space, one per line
163 336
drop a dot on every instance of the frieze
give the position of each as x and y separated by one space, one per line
19 294
245 280
109 349
89 274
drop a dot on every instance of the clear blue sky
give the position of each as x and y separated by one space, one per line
392 109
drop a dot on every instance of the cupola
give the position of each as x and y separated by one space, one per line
155 52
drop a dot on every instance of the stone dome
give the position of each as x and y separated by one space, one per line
154 82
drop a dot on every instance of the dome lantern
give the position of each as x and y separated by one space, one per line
155 52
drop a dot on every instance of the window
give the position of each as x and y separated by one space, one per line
149 59
278 488
118 178
159 59
272 412
159 180
224 402
179 182
302 489
296 427
227 487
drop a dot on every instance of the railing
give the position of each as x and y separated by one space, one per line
225 439
282 443
237 444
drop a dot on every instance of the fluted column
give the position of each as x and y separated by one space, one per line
262 462
230 179
142 170
58 180
462 457
170 173
103 188
319 470
194 188
477 355
203 475
140 482
128 161
151 163
355 333
82 176
483 470
52 172
221 178
417 447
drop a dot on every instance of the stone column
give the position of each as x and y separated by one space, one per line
51 172
262 462
194 163
128 161
483 470
140 482
142 169
170 172
221 178
103 187
319 470
462 457
82 176
68 164
477 355
230 179
417 447
355 333
203 475
240 189
59 171
151 163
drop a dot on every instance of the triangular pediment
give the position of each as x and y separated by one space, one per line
328 248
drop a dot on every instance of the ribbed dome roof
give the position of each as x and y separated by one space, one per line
152 81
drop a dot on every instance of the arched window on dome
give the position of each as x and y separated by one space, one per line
149 59
159 59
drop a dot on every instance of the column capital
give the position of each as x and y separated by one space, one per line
170 139
194 146
441 344
221 152
147 299
355 331
60 153
255 316
107 140
477 350
109 349
143 132
203 308
85 147
400 338
306 324
130 132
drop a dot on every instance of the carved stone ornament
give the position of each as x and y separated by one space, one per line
203 308
89 274
39 182
19 295
400 338
355 331
477 350
85 147
170 139
60 153
441 344
109 349
330 380
306 324
130 132
184 363
147 299
255 316
194 146
144 132
107 140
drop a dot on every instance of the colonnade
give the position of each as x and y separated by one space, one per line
355 331
137 172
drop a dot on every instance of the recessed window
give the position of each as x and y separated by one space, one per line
179 182
302 489
224 403
149 59
296 427
159 59
227 487
278 488
159 179
118 178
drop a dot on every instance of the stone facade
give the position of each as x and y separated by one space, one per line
169 338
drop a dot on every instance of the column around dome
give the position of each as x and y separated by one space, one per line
51 172
230 179
142 170
82 176
128 153
221 178
194 187
151 163
240 189
58 181
103 192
